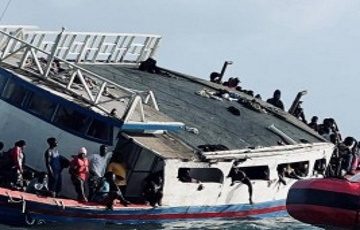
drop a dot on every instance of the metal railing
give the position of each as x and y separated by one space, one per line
89 86
84 47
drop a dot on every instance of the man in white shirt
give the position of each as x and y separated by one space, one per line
98 163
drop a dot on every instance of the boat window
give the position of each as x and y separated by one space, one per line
71 119
41 106
294 169
256 172
3 80
14 93
99 130
203 175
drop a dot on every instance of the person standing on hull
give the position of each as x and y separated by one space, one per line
97 166
276 101
79 171
53 165
18 162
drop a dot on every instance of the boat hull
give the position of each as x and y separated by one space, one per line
18 208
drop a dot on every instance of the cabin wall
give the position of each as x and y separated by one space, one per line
177 193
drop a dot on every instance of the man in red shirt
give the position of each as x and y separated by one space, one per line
79 171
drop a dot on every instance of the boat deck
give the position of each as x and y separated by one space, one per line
15 196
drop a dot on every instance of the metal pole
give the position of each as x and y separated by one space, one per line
52 55
226 63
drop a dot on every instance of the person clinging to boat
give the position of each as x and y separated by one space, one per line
239 176
79 171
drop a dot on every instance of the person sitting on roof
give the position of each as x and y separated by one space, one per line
215 77
108 191
313 124
275 100
239 176
79 171
149 65
232 82
299 113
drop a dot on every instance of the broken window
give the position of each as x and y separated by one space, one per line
203 175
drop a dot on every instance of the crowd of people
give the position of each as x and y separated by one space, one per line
106 181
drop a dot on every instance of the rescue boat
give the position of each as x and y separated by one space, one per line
328 203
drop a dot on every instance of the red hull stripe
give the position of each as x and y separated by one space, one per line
324 216
335 185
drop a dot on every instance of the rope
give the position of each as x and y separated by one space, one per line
59 203
22 201
5 9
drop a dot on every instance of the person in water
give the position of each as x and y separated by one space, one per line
108 191
79 171
97 166
276 100
53 165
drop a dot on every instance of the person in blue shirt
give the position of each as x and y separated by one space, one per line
107 192
54 167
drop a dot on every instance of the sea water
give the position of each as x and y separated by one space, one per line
281 223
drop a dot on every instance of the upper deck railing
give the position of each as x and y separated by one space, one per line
91 87
85 47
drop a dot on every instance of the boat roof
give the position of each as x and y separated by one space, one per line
178 99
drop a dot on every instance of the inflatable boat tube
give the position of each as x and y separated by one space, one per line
328 203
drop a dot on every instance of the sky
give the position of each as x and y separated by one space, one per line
291 45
